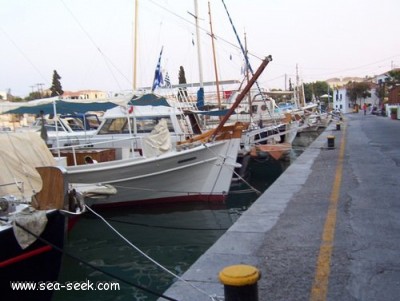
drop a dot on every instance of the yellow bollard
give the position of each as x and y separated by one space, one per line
331 141
240 282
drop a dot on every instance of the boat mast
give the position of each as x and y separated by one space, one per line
247 70
196 17
135 45
296 89
215 60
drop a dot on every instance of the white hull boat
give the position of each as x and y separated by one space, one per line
202 172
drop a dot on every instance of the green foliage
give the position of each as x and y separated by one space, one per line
33 95
380 92
308 91
56 88
394 76
16 99
357 90
393 111
317 88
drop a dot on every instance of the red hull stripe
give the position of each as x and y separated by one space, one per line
25 256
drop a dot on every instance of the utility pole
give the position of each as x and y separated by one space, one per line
40 89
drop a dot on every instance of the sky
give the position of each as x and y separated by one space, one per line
90 42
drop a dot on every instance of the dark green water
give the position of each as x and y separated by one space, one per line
174 235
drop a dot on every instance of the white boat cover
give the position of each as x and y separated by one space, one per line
159 140
20 154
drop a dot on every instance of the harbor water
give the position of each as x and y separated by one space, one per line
174 235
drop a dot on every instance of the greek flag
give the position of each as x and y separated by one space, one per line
167 81
158 78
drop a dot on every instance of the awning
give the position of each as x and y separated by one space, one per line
149 100
66 106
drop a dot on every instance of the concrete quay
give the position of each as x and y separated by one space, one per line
327 229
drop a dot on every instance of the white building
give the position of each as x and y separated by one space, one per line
343 103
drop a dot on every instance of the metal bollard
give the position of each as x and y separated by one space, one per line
338 126
331 141
240 282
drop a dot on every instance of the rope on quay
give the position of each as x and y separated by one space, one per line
212 297
80 260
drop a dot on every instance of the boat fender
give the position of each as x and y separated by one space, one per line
75 201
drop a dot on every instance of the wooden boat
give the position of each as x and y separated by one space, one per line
198 170
160 169
276 151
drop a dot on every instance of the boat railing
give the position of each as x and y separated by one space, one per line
132 143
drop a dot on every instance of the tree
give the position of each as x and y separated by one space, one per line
357 91
394 77
182 80
56 88
308 91
317 89
33 95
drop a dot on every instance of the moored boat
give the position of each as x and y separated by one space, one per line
34 211
161 170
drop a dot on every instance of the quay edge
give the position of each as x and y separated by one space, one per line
242 241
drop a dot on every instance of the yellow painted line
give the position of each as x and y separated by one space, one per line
320 285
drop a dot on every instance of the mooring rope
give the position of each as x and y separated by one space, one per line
233 170
93 266
212 297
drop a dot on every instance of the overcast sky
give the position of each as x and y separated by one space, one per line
89 42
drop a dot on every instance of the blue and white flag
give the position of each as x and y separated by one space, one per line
158 78
167 81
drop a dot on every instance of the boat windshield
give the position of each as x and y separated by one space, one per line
143 125
50 125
